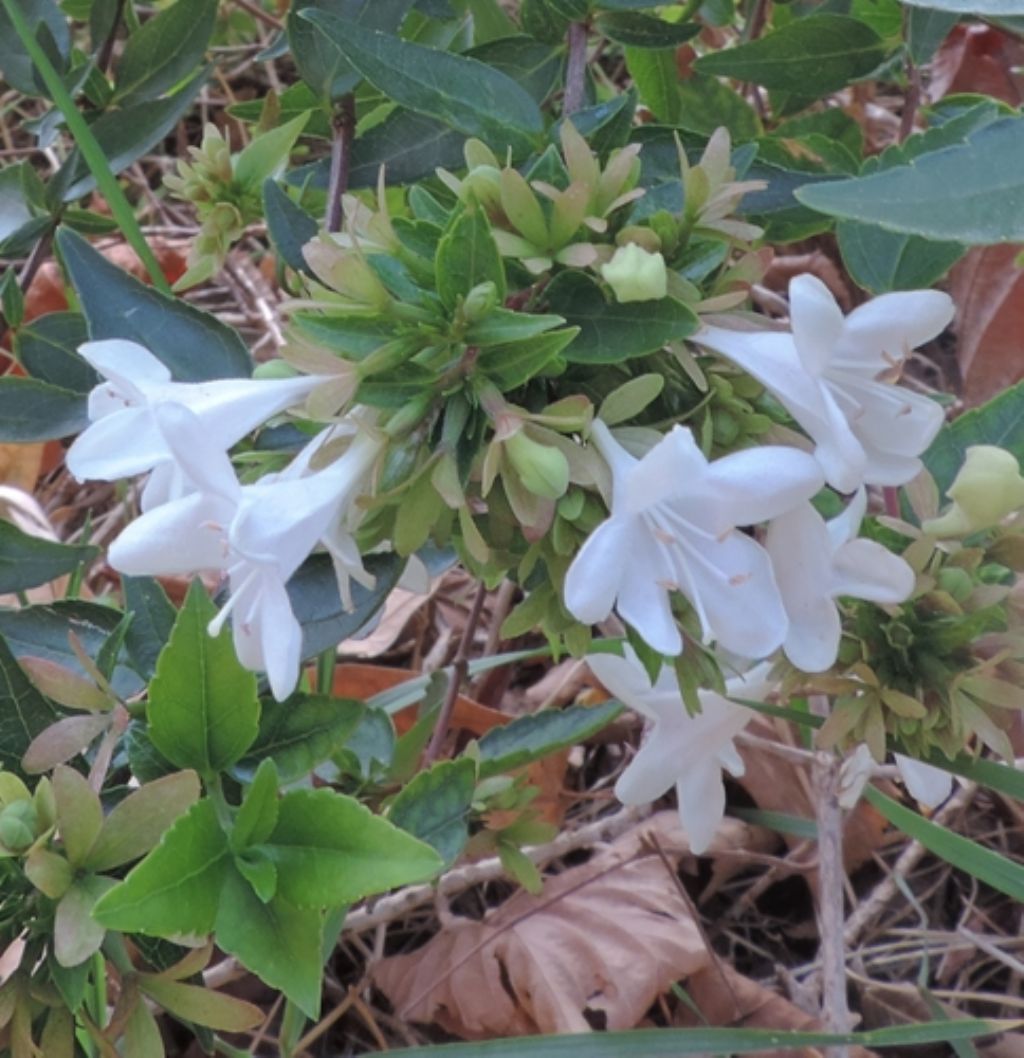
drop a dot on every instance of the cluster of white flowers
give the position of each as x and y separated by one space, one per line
675 525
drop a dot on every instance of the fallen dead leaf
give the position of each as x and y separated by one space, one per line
594 950
981 59
989 293
401 607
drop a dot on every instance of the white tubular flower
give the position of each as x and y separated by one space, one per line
259 534
816 562
673 528
927 784
687 751
125 438
835 375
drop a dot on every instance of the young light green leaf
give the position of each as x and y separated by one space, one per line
628 400
434 806
79 814
536 735
268 153
257 815
76 933
201 1006
177 887
166 49
203 711
510 366
466 94
466 256
959 193
330 850
656 77
810 56
138 822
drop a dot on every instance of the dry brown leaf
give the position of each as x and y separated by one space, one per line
989 294
594 949
399 610
727 998
980 59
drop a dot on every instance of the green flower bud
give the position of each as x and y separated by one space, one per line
636 275
18 826
274 369
725 428
957 582
542 470
480 301
988 487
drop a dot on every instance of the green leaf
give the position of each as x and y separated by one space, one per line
434 807
926 28
24 712
42 631
166 49
501 326
195 345
990 773
534 66
125 134
203 711
610 331
964 192
16 207
79 813
881 261
331 850
277 941
289 225
268 152
321 64
810 57
153 617
466 256
998 422
31 410
463 93
177 887
26 561
534 736
672 1043
656 77
201 1006
993 8
48 350
301 733
512 365
76 933
138 822
15 65
645 31
257 815
981 863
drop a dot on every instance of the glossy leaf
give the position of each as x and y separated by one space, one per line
645 31
257 815
27 561
434 806
810 56
656 77
195 345
177 887
534 736
289 225
31 410
466 256
24 712
47 348
153 617
512 365
534 66
15 66
465 94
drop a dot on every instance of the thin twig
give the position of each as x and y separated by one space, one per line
576 69
341 159
258 13
459 671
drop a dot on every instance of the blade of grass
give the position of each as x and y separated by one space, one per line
91 150
984 864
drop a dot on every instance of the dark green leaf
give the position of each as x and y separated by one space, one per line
926 29
534 66
999 422
510 366
167 48
881 261
301 733
277 941
15 206
24 712
324 617
47 348
42 632
610 331
435 805
645 31
673 1043
371 747
127 133
27 561
146 762
290 226
15 66
981 863
31 410
466 256
466 94
203 712
810 56
193 344
532 737
153 617
177 888
971 192
503 325
330 850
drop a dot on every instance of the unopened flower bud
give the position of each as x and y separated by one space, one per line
480 301
18 826
988 487
636 275
957 582
273 369
542 469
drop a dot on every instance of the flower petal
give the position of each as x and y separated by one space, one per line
673 464
593 579
701 794
206 466
890 418
184 536
865 569
127 364
816 320
927 784
626 679
653 771
643 599
846 525
120 445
